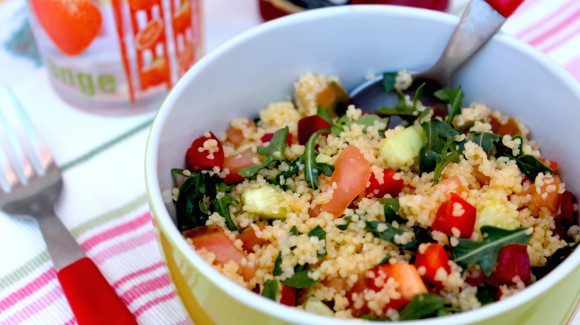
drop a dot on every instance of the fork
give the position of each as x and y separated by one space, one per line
30 185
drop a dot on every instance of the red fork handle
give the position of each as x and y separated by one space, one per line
505 7
92 300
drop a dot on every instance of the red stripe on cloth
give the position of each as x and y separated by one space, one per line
562 11
564 37
36 307
153 303
116 231
137 274
146 287
536 41
31 287
125 246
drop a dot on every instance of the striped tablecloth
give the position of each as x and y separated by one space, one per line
104 202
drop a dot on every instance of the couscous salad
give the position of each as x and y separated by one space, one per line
319 205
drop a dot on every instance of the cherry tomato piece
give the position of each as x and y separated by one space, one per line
432 259
406 275
250 239
214 240
238 162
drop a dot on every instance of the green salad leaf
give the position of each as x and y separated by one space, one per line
271 289
307 161
274 151
222 205
300 279
294 231
486 293
391 210
440 138
388 82
450 153
528 164
453 96
198 198
313 169
403 108
386 231
319 233
423 306
485 140
486 251
191 208
325 114
278 265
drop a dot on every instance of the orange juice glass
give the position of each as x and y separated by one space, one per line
116 56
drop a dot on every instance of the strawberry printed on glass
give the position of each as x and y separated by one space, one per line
116 56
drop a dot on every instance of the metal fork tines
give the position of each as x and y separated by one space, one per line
30 181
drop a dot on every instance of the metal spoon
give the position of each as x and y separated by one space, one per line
479 22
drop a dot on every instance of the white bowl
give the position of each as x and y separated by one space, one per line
260 66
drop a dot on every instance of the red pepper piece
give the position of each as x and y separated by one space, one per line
513 260
288 296
390 185
309 125
455 213
198 158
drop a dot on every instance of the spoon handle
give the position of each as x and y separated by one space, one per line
479 22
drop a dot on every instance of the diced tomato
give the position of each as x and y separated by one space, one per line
351 174
406 275
309 125
214 240
249 238
236 136
204 153
432 259
550 200
510 127
288 296
391 184
235 163
268 136
513 260
455 213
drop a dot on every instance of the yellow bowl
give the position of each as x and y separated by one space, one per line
243 75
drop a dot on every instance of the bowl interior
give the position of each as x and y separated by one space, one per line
256 68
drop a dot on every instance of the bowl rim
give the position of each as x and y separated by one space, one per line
289 314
